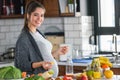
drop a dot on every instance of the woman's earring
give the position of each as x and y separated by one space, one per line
27 17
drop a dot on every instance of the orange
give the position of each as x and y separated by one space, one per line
108 74
104 66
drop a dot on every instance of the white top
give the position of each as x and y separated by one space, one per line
45 48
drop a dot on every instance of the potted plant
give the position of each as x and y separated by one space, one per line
70 1
70 6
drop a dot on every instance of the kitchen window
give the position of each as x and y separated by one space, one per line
106 25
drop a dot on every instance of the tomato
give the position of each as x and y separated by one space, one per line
67 78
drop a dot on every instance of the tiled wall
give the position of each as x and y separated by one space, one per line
77 30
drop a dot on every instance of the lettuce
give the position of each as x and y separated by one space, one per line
10 72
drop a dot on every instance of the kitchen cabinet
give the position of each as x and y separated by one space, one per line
11 16
52 8
12 9
116 71
69 8
79 69
76 69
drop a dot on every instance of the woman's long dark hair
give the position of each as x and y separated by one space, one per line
30 7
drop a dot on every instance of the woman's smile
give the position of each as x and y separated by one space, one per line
36 17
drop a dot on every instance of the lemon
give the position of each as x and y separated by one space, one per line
108 74
96 75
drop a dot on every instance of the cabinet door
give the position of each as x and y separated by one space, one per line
52 8
76 69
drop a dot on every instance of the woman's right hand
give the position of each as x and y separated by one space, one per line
46 65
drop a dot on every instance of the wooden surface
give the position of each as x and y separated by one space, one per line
79 69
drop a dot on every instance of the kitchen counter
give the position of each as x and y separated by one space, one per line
74 64
80 67
2 64
86 64
59 63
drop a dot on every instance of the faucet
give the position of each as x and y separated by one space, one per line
114 41
115 53
93 45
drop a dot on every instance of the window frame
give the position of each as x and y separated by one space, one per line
98 30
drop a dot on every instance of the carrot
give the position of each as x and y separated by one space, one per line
39 74
24 74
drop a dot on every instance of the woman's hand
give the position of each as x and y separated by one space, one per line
62 50
47 65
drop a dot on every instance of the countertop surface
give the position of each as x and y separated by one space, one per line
86 64
75 64
9 63
2 64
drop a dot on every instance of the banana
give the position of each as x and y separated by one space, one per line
105 60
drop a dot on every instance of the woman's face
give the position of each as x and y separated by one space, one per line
36 18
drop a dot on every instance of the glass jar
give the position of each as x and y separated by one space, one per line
69 68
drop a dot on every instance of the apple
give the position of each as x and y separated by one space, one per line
67 78
84 77
90 74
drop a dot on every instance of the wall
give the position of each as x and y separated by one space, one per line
77 30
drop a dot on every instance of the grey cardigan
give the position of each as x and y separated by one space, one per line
27 52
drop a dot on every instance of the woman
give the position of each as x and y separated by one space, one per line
33 51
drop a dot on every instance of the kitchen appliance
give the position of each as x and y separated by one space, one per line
9 54
1 58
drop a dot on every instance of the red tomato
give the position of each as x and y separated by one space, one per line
67 78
